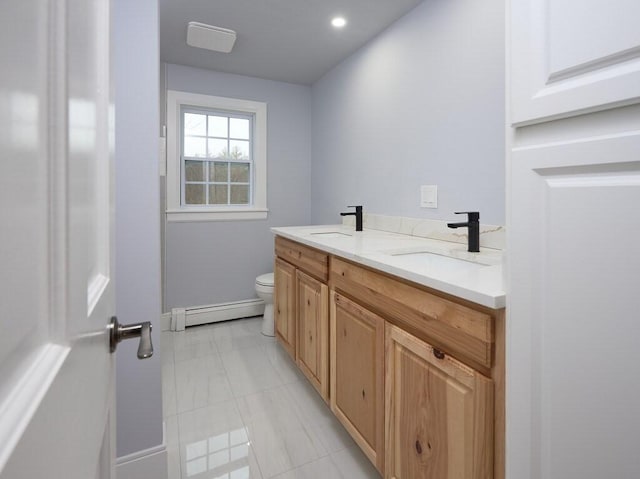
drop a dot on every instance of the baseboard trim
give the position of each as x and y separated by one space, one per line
143 464
213 313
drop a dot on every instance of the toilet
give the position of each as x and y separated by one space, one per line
264 289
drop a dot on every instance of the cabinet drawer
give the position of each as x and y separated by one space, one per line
310 260
454 327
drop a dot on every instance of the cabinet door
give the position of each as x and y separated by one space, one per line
312 351
438 413
285 305
357 376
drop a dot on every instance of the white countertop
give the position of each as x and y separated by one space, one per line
441 265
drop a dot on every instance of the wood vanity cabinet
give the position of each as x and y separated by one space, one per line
301 308
444 377
357 374
284 307
416 376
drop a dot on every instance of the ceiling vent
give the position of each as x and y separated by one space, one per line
209 37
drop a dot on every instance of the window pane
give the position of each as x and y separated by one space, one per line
239 194
195 124
194 194
218 172
218 126
239 128
194 170
218 194
218 149
239 173
195 147
239 150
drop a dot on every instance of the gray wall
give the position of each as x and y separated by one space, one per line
423 103
215 262
135 63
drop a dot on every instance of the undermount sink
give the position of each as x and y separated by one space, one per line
430 259
330 234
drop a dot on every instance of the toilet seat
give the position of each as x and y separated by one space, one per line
265 280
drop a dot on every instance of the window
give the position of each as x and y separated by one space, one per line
216 158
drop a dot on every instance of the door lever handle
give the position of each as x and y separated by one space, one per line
119 332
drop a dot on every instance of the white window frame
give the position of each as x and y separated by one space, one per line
176 211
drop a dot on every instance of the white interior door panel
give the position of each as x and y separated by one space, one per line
56 240
570 57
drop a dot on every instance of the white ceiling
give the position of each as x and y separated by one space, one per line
285 40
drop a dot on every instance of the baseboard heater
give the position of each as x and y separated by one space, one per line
213 313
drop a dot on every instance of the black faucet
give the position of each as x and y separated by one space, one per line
473 224
357 214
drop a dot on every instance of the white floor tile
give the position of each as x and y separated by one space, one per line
244 359
283 363
353 464
323 468
201 382
169 392
172 436
193 342
166 347
332 435
249 325
256 378
316 415
234 343
236 406
173 463
215 443
249 371
308 404
237 329
204 423
172 439
281 446
270 404
240 335
235 461
253 324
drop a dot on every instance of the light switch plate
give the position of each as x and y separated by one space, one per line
429 196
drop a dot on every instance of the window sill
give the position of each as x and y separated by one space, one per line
228 214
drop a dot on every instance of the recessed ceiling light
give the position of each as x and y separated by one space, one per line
338 22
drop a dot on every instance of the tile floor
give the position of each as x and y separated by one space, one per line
236 407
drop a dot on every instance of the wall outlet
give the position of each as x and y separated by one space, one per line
429 196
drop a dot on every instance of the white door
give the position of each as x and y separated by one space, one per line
56 240
573 329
